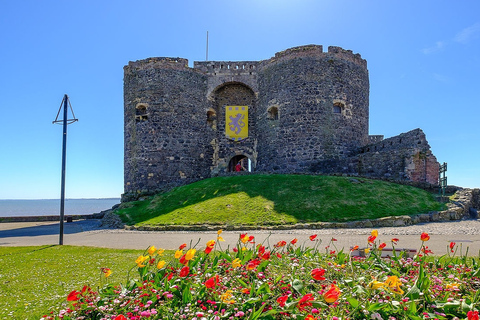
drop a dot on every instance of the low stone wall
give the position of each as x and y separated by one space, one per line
46 218
458 209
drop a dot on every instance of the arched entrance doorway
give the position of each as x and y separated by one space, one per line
240 163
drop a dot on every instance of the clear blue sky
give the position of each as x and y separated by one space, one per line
423 59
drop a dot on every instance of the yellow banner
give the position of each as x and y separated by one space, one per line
236 122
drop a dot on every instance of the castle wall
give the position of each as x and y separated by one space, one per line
164 114
308 113
304 84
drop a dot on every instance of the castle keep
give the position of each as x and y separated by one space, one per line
302 111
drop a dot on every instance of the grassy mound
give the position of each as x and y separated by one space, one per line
277 199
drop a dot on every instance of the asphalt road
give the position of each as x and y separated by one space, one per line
464 233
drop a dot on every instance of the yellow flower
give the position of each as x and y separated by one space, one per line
244 248
178 254
236 263
210 244
227 297
107 272
220 238
376 285
394 284
140 260
160 264
374 233
367 250
452 286
190 254
160 251
151 250
219 231
245 238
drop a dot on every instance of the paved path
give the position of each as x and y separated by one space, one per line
88 233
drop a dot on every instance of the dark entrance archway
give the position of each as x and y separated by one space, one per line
244 163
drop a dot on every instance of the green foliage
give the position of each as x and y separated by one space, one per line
285 281
277 200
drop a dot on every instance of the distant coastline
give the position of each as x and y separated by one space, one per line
49 207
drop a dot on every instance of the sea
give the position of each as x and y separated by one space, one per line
51 207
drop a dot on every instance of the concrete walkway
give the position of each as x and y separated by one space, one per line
87 233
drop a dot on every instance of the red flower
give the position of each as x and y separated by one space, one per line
424 236
261 250
333 239
294 241
183 246
452 245
317 274
282 300
280 244
310 317
184 271
120 317
371 239
208 250
305 301
394 240
266 255
312 237
472 315
212 282
73 296
354 248
382 245
183 260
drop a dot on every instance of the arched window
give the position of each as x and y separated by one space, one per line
272 113
240 163
141 112
211 119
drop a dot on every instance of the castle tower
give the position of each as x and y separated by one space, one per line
302 107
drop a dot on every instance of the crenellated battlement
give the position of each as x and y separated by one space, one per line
226 67
157 63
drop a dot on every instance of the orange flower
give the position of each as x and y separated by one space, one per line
151 250
280 244
294 241
318 273
332 294
107 272
354 248
310 317
210 244
424 236
183 246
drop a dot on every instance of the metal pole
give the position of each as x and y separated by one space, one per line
64 156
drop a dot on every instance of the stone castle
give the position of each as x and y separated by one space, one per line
302 111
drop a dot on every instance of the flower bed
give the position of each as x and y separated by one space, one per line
286 280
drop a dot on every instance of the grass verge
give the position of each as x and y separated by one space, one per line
34 279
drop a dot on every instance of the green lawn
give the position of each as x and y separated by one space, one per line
278 199
34 279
